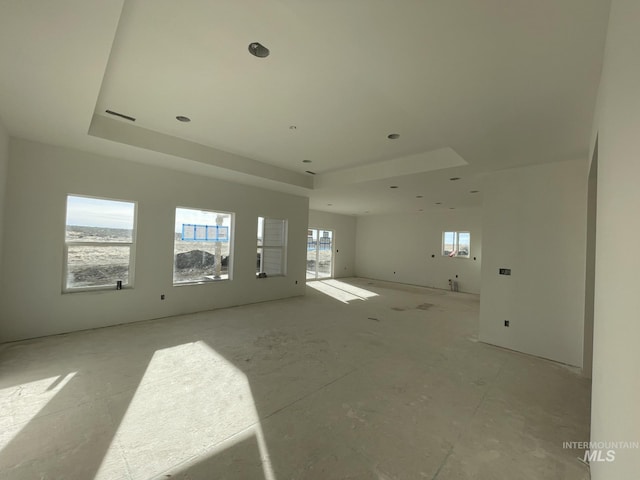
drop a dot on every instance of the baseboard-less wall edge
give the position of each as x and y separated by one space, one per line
415 285
574 368
143 320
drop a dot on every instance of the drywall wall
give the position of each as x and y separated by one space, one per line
344 230
40 177
4 170
615 416
408 248
589 287
534 222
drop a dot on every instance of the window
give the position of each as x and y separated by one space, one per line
202 246
99 243
456 244
272 246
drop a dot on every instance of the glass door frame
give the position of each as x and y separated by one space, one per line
317 253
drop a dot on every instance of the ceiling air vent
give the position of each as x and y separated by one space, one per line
121 115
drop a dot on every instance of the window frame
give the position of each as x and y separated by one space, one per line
282 248
132 248
456 244
317 249
231 240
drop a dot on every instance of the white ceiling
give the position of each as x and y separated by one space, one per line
471 86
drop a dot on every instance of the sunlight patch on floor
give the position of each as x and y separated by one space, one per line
341 291
24 402
190 404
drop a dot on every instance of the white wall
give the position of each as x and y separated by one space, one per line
344 230
534 222
4 170
399 248
590 264
40 177
615 412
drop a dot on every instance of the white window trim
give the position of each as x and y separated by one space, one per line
229 275
456 244
283 247
332 250
131 245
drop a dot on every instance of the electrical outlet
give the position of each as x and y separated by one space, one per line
506 323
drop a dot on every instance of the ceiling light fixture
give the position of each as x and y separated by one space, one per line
393 136
258 50
183 119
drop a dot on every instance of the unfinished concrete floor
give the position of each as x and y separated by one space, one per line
386 382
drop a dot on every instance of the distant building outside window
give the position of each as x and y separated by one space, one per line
202 246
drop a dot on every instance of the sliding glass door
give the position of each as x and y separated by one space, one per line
319 254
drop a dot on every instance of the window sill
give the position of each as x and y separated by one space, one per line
96 289
208 279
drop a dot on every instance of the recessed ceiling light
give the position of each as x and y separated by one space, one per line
258 50
453 179
474 191
393 136
393 186
182 118
306 161
419 196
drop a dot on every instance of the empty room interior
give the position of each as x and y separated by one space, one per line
443 198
